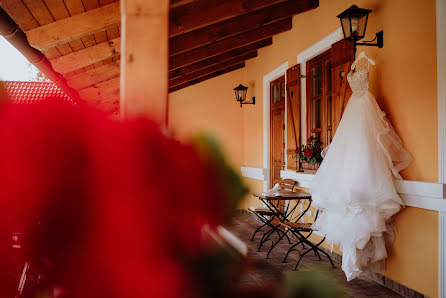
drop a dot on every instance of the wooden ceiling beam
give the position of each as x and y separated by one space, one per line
109 104
218 58
75 27
87 56
176 3
111 48
229 43
211 69
101 97
111 100
202 13
104 90
237 25
95 76
190 15
207 77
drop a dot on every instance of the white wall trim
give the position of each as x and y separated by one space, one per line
422 202
403 187
303 179
267 79
420 188
425 195
320 46
302 58
441 102
253 173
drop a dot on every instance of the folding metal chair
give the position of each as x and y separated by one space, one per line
293 219
297 228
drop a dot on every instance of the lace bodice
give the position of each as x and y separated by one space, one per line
359 80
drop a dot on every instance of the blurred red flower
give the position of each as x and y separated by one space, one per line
115 206
308 153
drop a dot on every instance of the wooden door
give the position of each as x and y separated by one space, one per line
293 115
277 128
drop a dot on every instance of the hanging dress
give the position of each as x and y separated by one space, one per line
354 185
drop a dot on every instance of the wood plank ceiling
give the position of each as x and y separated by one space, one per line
207 38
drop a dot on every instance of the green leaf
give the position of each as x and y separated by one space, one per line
231 183
313 161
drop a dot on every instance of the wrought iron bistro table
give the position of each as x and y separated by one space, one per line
290 219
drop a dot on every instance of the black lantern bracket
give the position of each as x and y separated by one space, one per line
252 102
379 41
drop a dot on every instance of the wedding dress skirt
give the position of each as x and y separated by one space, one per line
354 185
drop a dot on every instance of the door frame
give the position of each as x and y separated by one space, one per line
267 79
270 125
440 9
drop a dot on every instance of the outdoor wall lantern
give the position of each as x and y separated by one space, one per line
354 23
240 95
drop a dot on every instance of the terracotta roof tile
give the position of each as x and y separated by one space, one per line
33 92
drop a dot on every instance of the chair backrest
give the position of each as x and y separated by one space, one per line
288 184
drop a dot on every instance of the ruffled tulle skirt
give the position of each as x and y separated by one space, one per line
354 185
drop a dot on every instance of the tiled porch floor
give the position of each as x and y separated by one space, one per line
272 270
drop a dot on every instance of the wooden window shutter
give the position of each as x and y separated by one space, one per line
293 114
342 59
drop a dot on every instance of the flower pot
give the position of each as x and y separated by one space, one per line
308 166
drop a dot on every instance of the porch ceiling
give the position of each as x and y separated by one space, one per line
207 38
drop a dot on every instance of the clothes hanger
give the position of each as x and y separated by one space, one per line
360 56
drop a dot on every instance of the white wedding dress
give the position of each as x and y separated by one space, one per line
354 185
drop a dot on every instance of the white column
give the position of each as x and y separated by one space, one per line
144 58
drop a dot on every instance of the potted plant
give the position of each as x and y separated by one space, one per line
310 154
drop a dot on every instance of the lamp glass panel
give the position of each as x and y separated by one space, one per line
358 26
362 24
240 94
345 22
355 27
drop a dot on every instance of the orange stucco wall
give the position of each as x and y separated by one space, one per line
209 107
404 82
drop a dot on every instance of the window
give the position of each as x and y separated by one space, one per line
278 91
319 98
